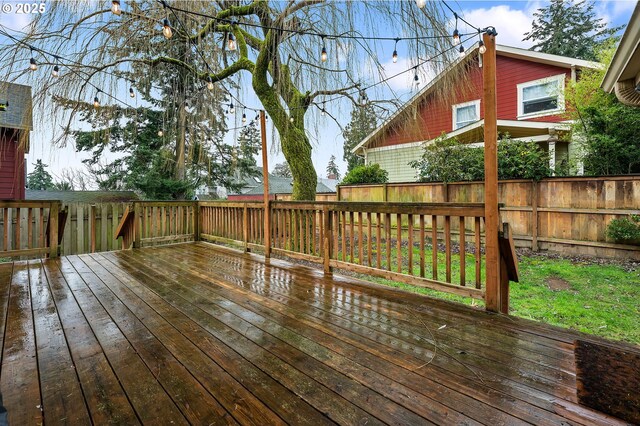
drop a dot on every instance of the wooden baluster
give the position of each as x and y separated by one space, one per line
360 253
369 214
326 229
379 240
434 246
314 244
463 277
399 241
422 236
447 244
410 243
335 230
41 238
344 235
387 224
478 253
5 243
352 230
301 226
307 230
16 243
93 227
30 227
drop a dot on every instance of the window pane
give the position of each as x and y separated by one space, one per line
465 115
544 90
540 105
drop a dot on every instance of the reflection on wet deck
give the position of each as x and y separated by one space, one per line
194 333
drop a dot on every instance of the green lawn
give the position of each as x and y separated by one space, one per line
598 299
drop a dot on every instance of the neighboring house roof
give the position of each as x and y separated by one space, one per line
506 51
623 75
280 185
18 113
329 183
83 196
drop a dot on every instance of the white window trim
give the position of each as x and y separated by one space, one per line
455 107
560 78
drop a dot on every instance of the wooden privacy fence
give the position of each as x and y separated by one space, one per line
31 228
427 249
568 215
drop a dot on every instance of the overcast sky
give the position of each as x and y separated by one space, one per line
512 20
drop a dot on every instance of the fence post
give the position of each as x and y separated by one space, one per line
137 225
54 212
267 229
328 238
534 215
384 192
197 226
92 227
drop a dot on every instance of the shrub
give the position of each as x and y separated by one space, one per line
447 160
371 173
625 230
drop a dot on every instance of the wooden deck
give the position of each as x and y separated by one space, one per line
193 333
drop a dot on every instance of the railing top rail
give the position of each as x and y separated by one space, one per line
230 203
27 203
164 203
440 209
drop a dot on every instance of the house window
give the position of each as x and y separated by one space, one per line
465 114
541 97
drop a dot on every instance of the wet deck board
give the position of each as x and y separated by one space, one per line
195 333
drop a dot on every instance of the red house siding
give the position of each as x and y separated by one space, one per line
12 179
435 115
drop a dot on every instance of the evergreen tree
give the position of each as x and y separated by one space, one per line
569 28
40 179
363 122
282 170
249 144
332 168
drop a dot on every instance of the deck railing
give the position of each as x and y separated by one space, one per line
437 246
147 223
31 228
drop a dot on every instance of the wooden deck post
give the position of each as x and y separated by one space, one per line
265 182
137 225
492 290
54 211
197 226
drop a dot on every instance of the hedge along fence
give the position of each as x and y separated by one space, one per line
567 215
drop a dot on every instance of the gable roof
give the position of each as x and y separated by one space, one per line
280 185
507 51
18 114
83 196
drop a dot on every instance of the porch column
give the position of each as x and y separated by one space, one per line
552 156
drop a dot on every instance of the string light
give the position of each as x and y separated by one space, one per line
160 133
363 98
56 71
244 117
232 109
461 51
456 34
395 51
33 65
323 111
482 48
96 101
132 94
415 76
291 119
231 42
210 84
421 3
323 54
115 7
166 29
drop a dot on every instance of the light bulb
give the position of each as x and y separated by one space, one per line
456 37
231 42
56 71
461 51
291 119
323 55
160 133
232 109
210 84
96 102
421 3
395 56
244 117
323 112
416 79
115 7
482 49
33 64
131 92
166 29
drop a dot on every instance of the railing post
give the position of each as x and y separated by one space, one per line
267 229
137 225
197 226
245 226
328 238
54 212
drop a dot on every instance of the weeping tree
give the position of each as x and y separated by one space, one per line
299 56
